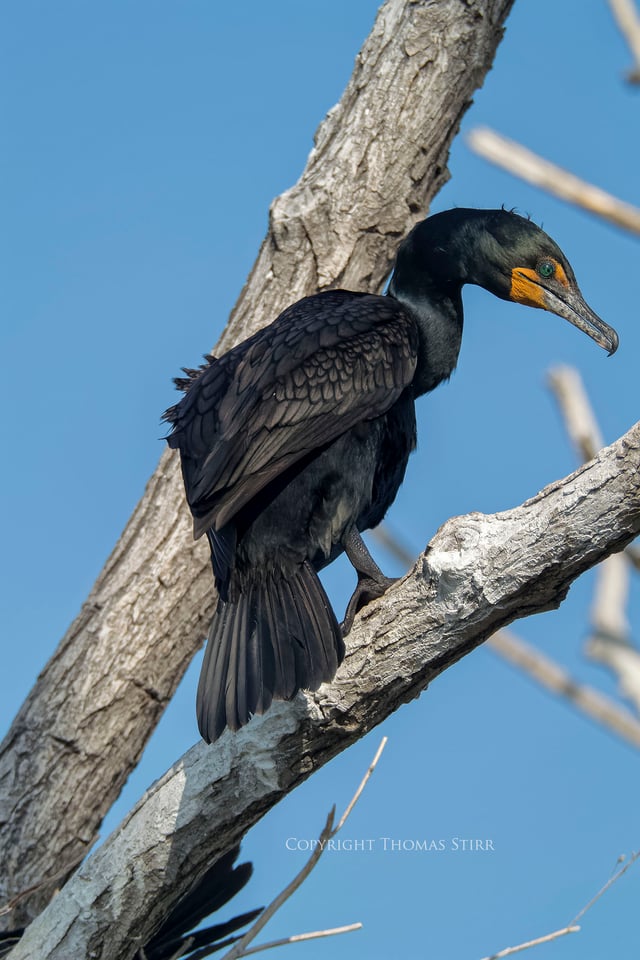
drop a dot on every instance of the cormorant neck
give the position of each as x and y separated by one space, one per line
439 321
434 261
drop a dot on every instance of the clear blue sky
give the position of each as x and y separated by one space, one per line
146 142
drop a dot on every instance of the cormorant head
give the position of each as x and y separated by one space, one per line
506 254
525 265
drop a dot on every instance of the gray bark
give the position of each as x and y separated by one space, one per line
379 157
478 574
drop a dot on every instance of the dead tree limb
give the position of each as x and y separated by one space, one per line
540 668
523 163
626 15
553 677
379 157
571 927
478 574
610 642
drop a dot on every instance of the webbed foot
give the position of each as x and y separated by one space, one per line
367 590
372 582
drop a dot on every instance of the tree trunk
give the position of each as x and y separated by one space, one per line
380 155
478 574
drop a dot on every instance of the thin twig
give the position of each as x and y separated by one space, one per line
626 16
238 949
571 927
300 937
328 832
523 163
609 883
358 792
532 943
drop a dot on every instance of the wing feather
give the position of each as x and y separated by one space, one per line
327 363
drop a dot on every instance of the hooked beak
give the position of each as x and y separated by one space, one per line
565 300
571 305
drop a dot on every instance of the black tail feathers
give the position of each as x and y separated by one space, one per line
278 637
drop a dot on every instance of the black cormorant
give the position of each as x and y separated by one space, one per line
298 438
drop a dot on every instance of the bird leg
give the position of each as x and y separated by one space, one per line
372 582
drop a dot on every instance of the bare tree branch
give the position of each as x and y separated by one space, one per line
626 16
509 951
571 927
523 163
610 641
364 782
328 833
301 937
379 157
558 681
538 667
478 574
579 418
608 616
621 659
616 876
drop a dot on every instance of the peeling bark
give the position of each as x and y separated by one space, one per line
478 573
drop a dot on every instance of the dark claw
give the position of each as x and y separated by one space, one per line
366 591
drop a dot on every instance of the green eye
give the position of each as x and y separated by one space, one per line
546 269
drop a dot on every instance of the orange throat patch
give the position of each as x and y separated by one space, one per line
525 289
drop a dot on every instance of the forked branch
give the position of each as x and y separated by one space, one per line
478 574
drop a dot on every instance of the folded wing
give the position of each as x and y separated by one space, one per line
327 363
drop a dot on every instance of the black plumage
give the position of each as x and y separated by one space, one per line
298 438
214 890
